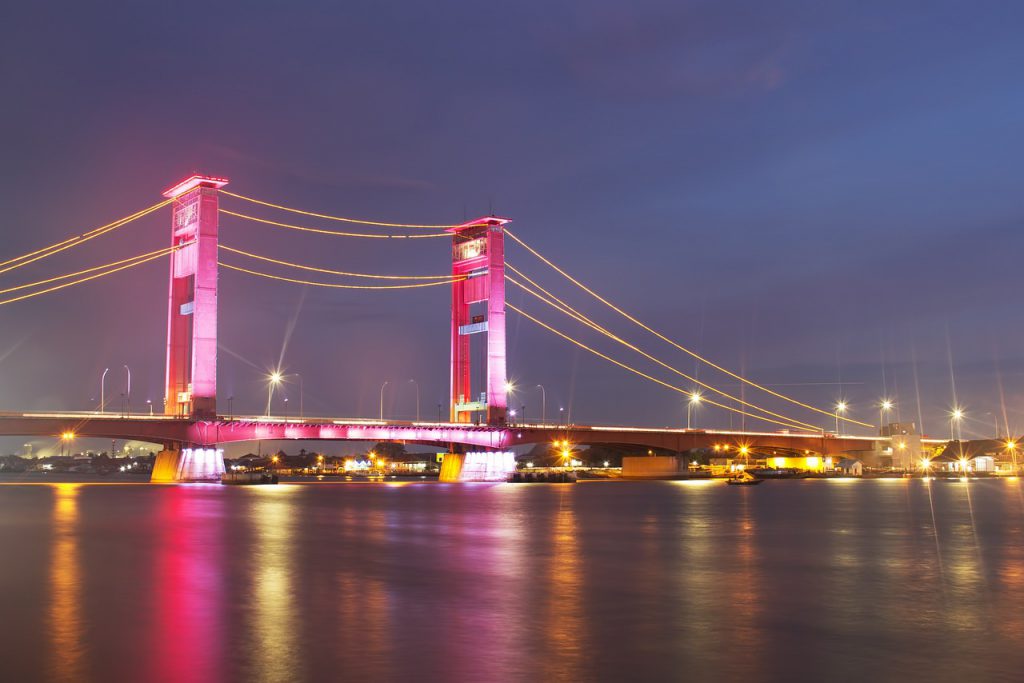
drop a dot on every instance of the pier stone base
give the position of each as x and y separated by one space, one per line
477 466
188 464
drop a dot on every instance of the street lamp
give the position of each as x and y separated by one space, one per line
883 408
840 408
954 418
149 403
386 382
543 404
691 404
128 392
103 392
66 438
286 406
274 378
417 385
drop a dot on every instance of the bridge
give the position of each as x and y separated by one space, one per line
479 419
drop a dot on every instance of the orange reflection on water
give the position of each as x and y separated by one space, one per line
564 624
275 623
65 612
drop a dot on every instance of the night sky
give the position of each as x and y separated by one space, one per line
806 192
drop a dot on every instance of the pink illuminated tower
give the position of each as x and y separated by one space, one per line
478 307
192 307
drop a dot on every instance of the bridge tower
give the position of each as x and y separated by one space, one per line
478 308
191 388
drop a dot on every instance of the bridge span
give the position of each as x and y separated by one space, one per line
176 433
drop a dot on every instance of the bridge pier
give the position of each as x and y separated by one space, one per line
477 466
177 464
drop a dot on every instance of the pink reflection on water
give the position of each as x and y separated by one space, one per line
187 591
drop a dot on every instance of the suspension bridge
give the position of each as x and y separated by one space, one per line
191 427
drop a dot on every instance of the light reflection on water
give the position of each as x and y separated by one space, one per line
617 581
65 623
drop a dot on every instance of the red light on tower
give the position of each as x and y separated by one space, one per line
478 272
191 387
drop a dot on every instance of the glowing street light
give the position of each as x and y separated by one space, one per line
690 405
955 417
840 409
273 380
883 408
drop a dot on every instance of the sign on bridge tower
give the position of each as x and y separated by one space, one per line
192 307
478 311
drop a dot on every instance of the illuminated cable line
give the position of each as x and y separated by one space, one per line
331 272
158 252
659 335
644 374
334 285
339 218
39 254
336 233
142 259
562 307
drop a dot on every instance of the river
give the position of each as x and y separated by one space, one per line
839 580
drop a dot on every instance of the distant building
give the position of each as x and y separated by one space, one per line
850 467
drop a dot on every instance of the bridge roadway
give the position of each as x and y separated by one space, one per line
159 429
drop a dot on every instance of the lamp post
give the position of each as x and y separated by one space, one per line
103 391
954 419
231 407
690 405
883 408
386 382
128 392
840 408
273 380
149 404
286 406
417 385
543 404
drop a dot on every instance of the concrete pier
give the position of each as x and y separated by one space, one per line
188 464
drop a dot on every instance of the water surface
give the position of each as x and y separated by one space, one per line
792 580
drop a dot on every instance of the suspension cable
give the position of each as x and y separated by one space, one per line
562 307
336 233
58 278
447 281
63 245
339 218
661 336
327 270
644 374
111 268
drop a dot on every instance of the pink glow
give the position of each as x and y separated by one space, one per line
191 380
487 264
192 183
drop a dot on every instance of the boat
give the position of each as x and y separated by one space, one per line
744 478
247 478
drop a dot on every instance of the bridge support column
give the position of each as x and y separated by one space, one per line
191 387
177 464
478 307
488 466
